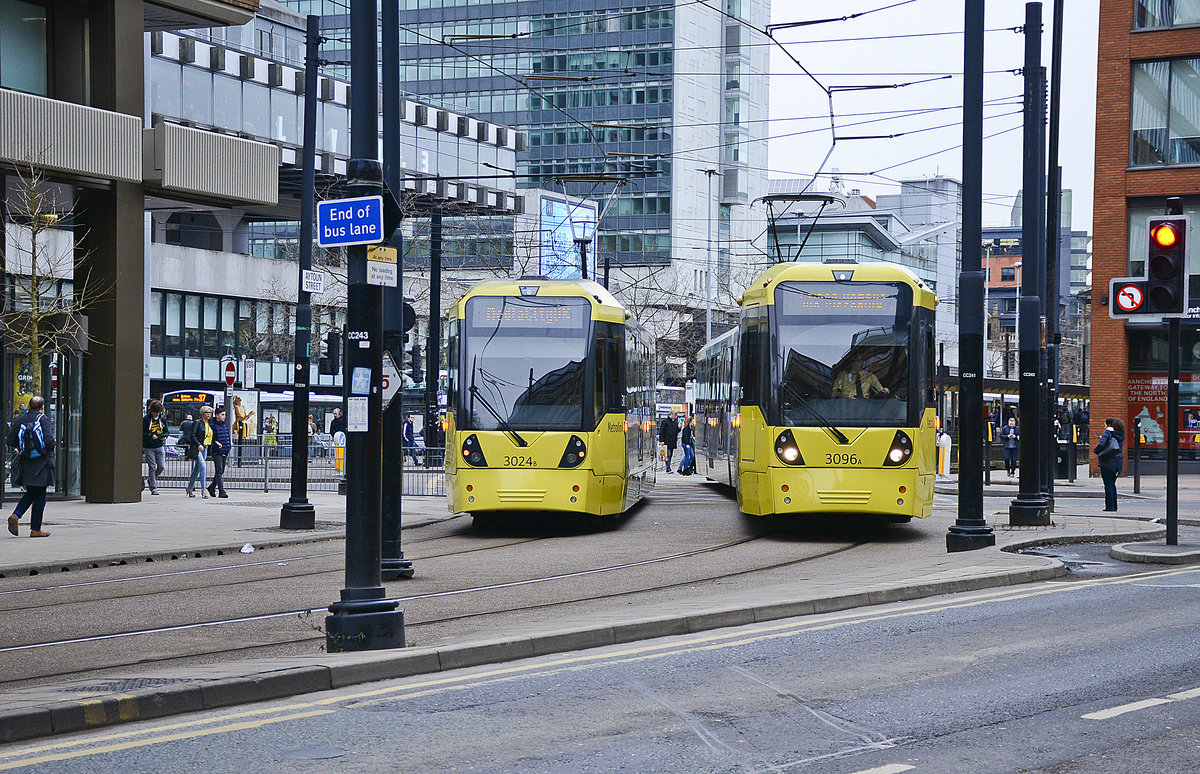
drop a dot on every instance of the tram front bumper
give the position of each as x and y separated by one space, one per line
887 491
509 489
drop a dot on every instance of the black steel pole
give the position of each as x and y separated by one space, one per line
363 619
298 512
1030 508
1046 430
1054 232
1173 345
970 530
606 256
392 565
433 347
583 259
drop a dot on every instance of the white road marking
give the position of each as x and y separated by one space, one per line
1121 710
891 768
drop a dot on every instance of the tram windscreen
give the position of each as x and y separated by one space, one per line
843 353
524 362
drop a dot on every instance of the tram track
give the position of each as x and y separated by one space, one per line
42 605
424 625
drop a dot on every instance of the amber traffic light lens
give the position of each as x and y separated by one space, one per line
1164 235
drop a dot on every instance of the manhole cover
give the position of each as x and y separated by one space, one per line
312 754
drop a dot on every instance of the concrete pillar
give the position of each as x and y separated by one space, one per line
112 259
230 221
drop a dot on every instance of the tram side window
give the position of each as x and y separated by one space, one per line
611 343
452 364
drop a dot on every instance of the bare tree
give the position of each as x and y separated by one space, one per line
49 299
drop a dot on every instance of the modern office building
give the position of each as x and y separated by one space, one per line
654 109
1147 141
181 202
73 120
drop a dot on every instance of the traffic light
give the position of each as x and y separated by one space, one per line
331 363
415 363
1166 266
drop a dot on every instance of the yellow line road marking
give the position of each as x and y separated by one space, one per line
157 729
159 740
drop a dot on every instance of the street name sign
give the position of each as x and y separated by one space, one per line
313 281
357 221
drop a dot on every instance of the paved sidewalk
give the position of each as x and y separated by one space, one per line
84 531
171 525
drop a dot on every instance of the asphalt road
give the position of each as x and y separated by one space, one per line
1097 673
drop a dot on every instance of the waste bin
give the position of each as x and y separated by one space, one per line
1062 463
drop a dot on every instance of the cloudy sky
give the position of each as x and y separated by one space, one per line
899 45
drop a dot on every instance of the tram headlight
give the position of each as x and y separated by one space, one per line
574 454
787 450
472 453
900 451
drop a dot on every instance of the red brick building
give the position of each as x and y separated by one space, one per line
1147 149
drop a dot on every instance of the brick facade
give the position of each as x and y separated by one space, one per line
1116 184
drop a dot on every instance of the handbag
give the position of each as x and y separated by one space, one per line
191 452
1111 449
17 470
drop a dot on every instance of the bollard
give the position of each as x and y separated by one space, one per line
1074 454
1138 440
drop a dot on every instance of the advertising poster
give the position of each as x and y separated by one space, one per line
1148 403
22 382
558 249
245 414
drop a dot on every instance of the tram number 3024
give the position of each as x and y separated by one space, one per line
520 461
842 459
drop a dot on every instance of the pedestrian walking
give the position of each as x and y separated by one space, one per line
222 442
1010 439
668 434
185 431
687 442
1110 452
31 436
198 443
154 435
409 438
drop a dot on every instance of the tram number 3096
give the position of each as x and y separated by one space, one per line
520 461
842 459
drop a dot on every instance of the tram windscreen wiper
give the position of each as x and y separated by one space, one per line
501 421
813 410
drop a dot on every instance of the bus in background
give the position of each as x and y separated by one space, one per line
273 410
668 398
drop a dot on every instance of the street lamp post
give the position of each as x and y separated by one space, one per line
708 263
582 230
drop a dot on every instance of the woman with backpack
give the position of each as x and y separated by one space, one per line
1110 452
31 437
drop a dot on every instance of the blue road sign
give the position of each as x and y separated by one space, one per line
356 221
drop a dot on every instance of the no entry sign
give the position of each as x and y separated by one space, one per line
230 373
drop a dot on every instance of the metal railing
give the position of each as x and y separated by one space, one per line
264 464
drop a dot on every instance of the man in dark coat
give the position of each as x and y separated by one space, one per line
409 439
668 433
31 437
219 452
337 424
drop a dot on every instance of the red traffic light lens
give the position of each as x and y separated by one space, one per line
1164 235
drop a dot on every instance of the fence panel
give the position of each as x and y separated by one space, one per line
265 464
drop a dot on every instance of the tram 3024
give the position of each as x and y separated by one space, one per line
822 399
551 400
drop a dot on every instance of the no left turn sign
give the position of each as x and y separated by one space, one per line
1130 298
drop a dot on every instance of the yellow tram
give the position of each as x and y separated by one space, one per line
822 399
551 400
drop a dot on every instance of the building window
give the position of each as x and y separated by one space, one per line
1165 113
23 52
1008 274
1164 13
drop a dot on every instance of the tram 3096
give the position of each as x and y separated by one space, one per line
822 399
551 400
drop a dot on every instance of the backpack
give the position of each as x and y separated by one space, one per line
30 441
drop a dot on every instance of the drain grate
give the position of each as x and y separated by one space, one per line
125 684
319 525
